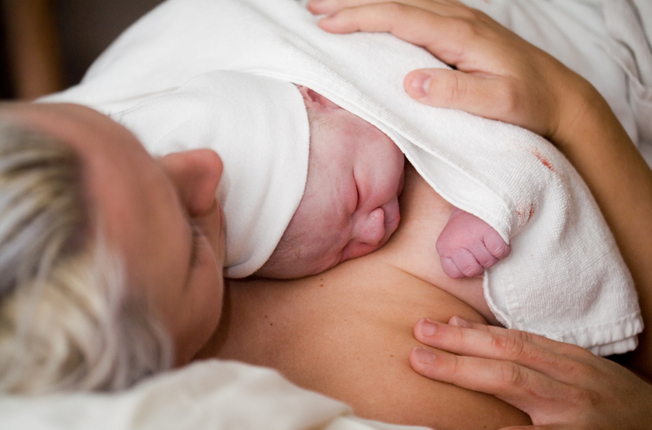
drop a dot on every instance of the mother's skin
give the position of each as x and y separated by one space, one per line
347 332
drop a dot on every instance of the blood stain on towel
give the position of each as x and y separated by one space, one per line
543 159
524 213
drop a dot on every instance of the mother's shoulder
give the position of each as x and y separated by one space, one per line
347 333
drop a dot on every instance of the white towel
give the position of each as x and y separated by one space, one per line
565 278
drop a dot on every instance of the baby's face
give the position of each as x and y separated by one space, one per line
350 204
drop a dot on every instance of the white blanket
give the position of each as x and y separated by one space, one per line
564 279
212 395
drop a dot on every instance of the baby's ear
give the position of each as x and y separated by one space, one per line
311 97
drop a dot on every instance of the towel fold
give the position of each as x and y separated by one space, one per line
564 279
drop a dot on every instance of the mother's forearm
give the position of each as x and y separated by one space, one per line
597 145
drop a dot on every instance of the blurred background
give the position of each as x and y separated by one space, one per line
47 45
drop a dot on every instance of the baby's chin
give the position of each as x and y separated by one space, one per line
278 267
362 249
283 265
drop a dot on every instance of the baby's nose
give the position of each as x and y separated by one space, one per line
370 228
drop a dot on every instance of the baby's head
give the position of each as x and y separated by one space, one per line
350 204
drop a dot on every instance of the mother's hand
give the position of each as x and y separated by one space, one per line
561 386
498 75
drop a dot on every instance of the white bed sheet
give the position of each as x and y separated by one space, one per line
208 395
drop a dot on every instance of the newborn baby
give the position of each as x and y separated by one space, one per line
350 204
306 184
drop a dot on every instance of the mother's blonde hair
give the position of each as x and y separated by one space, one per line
66 322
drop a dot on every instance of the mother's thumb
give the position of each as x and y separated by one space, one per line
456 90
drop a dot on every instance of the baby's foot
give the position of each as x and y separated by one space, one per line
468 245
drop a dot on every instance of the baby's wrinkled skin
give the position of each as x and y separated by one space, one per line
350 205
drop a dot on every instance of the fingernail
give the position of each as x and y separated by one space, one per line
459 322
423 355
428 328
326 19
420 84
319 7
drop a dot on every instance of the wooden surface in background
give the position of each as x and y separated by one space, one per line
49 44
33 54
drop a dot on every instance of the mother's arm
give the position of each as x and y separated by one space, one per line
500 76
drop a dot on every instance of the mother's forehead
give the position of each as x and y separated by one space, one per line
84 129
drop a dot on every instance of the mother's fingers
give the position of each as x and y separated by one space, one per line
323 7
541 341
543 427
562 362
516 367
444 36
569 389
504 77
523 388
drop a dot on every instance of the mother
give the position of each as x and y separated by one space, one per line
88 219
89 306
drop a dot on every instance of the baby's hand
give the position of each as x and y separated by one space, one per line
468 245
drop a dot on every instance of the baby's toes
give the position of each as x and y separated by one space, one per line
496 245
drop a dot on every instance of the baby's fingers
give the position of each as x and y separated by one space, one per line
495 245
461 263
